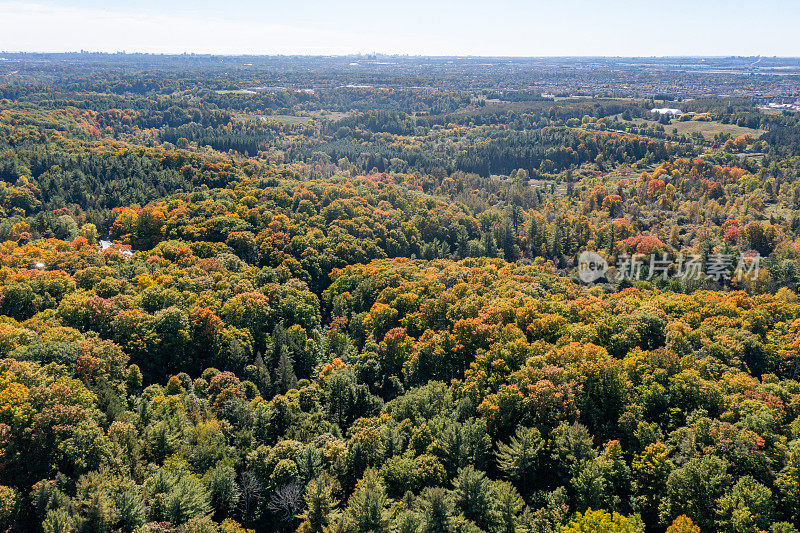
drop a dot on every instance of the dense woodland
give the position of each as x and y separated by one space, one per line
356 309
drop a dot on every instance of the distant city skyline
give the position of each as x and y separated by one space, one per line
502 28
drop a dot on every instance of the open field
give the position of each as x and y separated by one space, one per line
329 115
710 129
292 119
286 119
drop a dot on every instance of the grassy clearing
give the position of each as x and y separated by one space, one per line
283 119
286 119
292 119
329 115
710 129
707 129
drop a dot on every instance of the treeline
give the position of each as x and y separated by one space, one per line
54 161
548 150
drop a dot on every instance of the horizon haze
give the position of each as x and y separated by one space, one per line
502 29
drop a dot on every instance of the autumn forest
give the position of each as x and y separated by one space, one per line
287 295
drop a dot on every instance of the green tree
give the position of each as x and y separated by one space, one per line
130 511
436 510
187 499
694 489
367 507
320 505
285 377
748 507
506 506
222 488
520 458
472 495
787 483
176 497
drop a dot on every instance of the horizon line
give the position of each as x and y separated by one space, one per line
395 54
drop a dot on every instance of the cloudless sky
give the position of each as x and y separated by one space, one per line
468 27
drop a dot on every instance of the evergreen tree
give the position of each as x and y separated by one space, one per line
489 246
520 458
471 495
436 510
366 509
506 507
285 377
320 505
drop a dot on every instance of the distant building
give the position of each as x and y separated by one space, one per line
788 107
667 111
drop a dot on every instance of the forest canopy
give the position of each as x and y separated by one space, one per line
233 304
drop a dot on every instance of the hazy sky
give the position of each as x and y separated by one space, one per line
499 27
